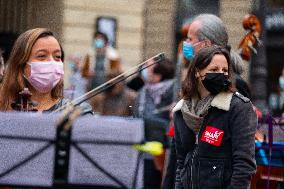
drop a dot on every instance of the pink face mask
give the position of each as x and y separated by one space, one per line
45 75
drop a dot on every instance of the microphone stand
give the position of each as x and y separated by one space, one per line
62 146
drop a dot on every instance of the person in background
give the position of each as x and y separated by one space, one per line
242 86
136 82
281 86
238 69
276 97
153 105
182 63
159 80
180 73
205 30
81 74
214 126
117 100
281 79
36 63
103 59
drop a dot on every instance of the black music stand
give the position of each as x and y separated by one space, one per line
98 155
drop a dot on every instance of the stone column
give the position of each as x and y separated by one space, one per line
159 32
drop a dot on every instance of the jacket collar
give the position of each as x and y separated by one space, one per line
221 101
178 106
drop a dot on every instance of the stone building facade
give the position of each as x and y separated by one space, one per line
144 27
79 21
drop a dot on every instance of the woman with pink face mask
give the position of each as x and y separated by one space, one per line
36 62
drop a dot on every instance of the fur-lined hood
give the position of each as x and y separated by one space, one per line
221 101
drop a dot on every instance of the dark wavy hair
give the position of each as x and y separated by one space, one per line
201 61
165 68
101 34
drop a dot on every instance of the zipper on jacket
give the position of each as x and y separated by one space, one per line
192 158
193 155
195 150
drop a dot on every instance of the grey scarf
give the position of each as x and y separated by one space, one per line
194 111
155 91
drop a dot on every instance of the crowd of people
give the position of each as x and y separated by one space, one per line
214 122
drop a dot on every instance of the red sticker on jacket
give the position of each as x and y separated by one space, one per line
212 136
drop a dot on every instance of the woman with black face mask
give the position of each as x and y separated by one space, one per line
214 127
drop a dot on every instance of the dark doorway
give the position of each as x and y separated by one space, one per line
7 40
275 64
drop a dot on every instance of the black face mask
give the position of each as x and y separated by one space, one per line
216 82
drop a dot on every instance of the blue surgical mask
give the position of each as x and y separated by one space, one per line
72 66
281 82
188 51
99 43
144 74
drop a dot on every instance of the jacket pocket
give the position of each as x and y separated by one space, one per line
210 173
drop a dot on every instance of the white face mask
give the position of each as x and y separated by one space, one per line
45 75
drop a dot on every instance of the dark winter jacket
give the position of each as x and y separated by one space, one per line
156 116
242 87
169 180
224 154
